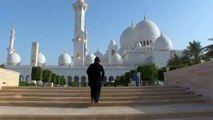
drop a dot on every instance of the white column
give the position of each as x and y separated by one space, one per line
12 39
34 54
80 8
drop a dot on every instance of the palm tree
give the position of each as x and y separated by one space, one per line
195 51
174 61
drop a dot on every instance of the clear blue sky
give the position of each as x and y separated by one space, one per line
51 23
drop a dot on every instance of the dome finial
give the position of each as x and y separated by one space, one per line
13 27
132 23
80 0
145 18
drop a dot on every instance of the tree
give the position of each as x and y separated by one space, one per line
148 73
62 80
53 78
127 77
47 74
175 60
117 81
195 51
193 54
122 80
36 73
57 81
160 73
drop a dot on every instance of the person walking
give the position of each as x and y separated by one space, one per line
95 74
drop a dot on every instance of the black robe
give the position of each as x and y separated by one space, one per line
95 74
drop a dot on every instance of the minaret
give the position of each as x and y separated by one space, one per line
79 40
12 38
34 54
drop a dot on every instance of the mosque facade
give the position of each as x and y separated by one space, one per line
142 43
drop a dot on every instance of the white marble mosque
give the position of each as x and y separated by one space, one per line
142 43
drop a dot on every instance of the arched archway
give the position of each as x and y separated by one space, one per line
83 81
104 80
21 78
111 78
27 78
76 79
69 80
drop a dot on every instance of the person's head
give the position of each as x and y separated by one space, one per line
97 60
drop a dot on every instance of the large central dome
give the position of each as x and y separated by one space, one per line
146 30
126 39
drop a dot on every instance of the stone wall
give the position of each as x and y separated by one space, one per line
197 78
8 78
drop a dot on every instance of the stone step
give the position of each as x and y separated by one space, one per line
207 115
76 94
77 88
86 90
148 112
124 98
101 103
139 101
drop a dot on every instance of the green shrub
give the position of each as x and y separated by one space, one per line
53 78
160 73
148 73
74 84
26 84
117 81
57 81
46 75
36 73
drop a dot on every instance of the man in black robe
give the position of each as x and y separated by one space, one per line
95 74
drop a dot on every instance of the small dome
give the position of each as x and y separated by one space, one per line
14 59
89 59
112 42
163 43
99 54
126 39
41 59
138 46
64 59
146 30
116 59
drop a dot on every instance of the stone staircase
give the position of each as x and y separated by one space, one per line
112 98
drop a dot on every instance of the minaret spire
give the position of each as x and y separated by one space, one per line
12 39
80 33
132 23
145 18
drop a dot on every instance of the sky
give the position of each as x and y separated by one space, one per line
51 23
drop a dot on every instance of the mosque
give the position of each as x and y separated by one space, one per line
142 43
